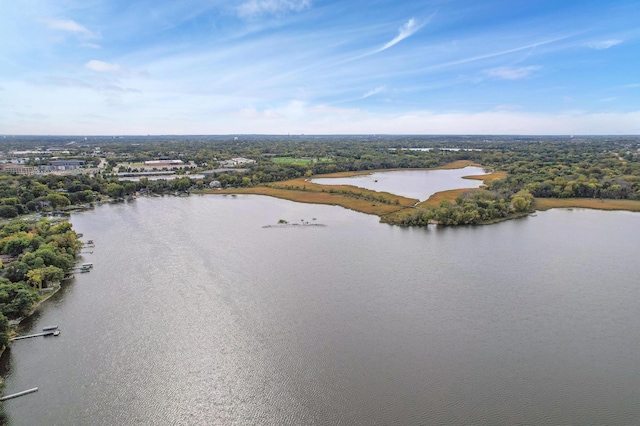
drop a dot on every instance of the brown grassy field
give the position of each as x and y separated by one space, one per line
489 177
587 203
316 197
460 164
354 198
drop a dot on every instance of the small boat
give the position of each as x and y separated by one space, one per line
56 333
50 328
82 271
87 265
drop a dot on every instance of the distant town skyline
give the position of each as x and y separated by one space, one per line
147 67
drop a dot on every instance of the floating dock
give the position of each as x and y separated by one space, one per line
45 333
15 395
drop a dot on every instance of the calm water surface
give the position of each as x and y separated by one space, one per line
194 314
420 184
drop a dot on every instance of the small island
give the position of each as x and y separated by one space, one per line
282 223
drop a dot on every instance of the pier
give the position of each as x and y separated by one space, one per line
15 395
47 332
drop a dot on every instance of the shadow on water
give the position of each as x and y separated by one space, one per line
5 368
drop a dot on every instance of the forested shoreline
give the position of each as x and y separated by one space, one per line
533 167
35 257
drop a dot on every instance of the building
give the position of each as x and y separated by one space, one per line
65 164
18 169
163 164
238 161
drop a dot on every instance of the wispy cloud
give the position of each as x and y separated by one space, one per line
604 44
35 116
70 26
407 30
101 84
255 8
91 45
374 92
253 114
506 73
102 67
497 54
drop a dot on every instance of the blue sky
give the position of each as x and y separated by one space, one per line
95 67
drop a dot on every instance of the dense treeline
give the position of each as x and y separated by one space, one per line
594 167
469 209
35 256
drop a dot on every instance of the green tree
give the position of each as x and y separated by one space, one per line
115 190
16 299
522 201
8 211
4 331
58 200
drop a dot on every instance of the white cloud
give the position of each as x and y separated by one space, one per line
507 73
255 8
70 26
604 44
253 114
102 67
407 30
91 45
374 92
495 54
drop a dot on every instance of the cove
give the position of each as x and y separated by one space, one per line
418 184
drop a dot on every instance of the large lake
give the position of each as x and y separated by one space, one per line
419 184
195 314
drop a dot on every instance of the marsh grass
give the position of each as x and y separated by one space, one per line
587 203
351 200
384 203
354 198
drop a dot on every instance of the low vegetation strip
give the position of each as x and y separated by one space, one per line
459 164
450 195
488 177
348 201
587 203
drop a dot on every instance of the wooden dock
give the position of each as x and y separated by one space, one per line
44 333
15 395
